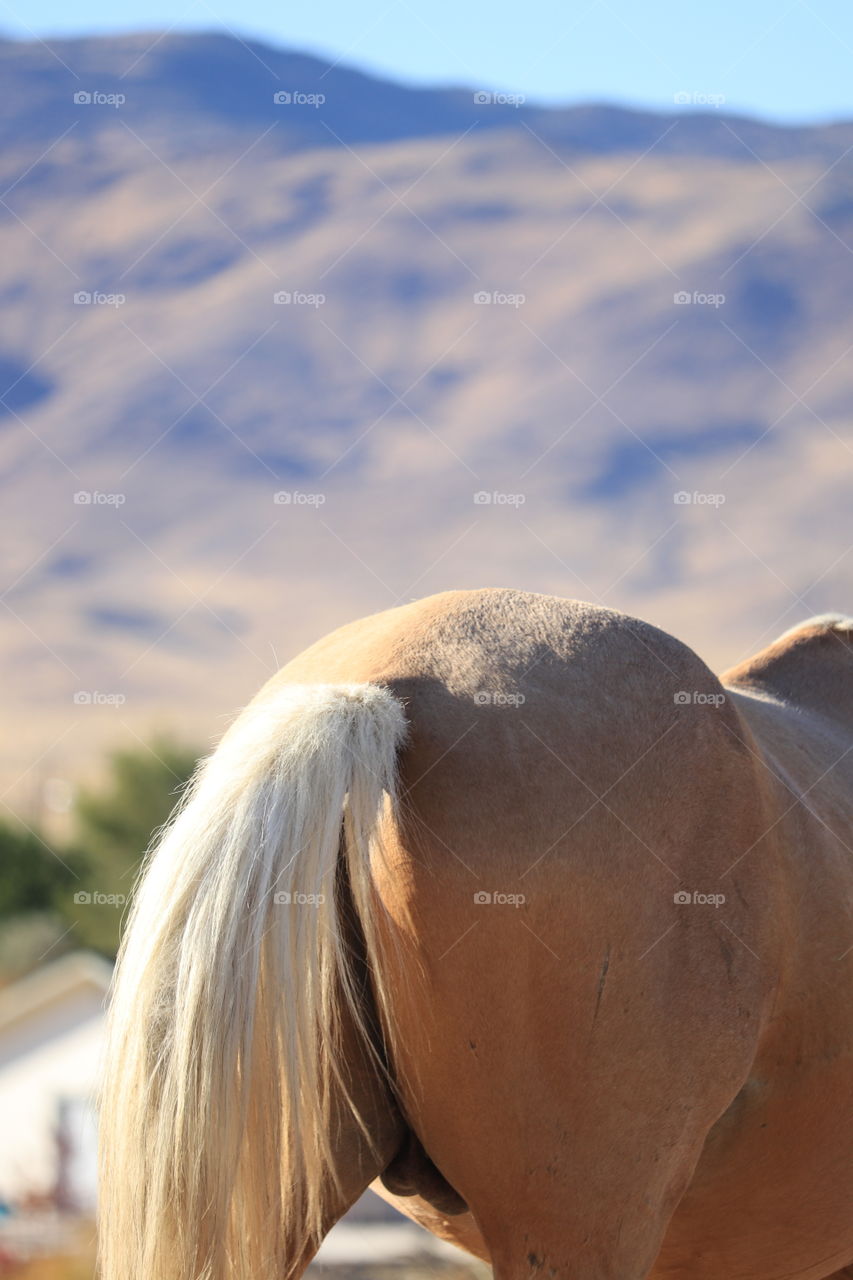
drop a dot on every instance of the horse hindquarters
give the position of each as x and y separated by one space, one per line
566 1032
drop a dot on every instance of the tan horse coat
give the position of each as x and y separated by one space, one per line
603 1074
634 1056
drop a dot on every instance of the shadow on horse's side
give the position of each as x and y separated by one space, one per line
509 906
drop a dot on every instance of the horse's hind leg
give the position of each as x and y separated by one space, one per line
362 1148
360 1157
561 1082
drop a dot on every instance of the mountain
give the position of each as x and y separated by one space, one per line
268 366
214 87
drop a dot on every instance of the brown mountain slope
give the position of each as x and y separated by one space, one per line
383 396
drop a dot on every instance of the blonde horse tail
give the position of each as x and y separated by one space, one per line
223 1055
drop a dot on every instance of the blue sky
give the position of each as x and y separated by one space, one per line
785 59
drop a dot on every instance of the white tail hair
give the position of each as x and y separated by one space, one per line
221 1063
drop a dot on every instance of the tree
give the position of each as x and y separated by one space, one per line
34 880
32 875
113 827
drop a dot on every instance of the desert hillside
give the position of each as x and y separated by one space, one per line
268 365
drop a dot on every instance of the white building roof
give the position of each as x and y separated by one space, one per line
52 983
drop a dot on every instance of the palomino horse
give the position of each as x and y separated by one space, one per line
510 903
